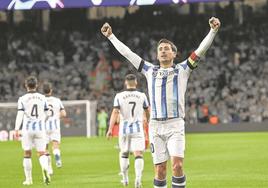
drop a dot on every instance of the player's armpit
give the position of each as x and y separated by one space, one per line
193 60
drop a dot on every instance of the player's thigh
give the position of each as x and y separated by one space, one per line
40 141
158 144
26 141
137 142
124 143
176 142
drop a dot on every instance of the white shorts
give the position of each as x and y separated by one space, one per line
53 136
167 139
33 139
132 142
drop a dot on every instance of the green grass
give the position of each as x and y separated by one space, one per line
226 160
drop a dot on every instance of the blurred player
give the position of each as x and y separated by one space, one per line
32 108
130 104
56 111
102 118
166 86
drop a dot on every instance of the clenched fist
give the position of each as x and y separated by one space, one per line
214 23
106 30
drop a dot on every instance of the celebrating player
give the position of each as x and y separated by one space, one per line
56 111
32 108
130 104
166 86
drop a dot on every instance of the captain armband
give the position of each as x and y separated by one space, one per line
193 60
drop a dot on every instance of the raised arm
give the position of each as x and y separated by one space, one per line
206 43
120 47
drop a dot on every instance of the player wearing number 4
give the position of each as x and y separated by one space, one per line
166 87
130 104
32 111
55 112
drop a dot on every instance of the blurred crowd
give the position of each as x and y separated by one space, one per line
230 84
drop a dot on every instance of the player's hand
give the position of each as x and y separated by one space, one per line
214 23
106 30
109 134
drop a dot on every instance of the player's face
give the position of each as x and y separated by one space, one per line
165 55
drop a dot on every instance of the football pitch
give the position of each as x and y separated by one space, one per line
222 160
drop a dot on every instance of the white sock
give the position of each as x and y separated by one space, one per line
27 165
124 164
43 159
139 164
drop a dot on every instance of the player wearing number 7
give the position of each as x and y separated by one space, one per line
56 111
32 112
130 104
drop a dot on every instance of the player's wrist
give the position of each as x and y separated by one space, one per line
111 36
214 30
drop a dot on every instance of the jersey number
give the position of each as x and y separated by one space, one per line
133 107
34 111
51 110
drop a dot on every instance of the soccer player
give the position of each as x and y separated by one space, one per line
167 84
130 104
56 111
32 108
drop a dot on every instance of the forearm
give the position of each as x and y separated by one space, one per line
113 120
125 51
206 43
19 120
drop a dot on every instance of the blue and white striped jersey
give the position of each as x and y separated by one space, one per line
166 88
131 104
34 106
54 107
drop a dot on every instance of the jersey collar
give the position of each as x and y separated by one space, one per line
131 89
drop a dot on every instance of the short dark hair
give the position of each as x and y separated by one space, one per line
173 47
31 82
130 77
47 87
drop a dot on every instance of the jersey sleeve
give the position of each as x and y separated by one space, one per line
184 69
144 67
20 105
125 51
61 105
145 103
116 102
